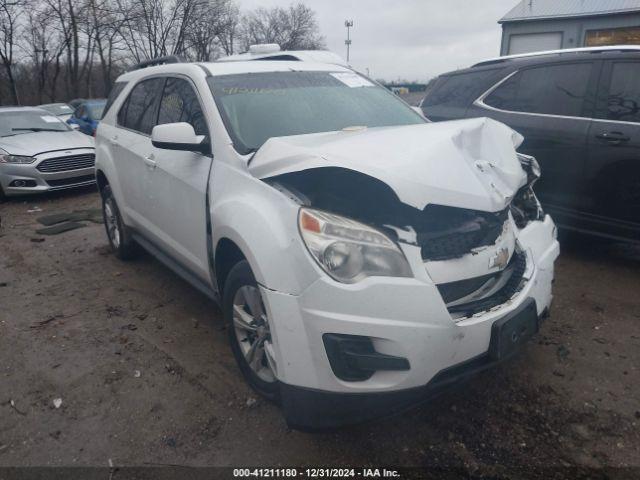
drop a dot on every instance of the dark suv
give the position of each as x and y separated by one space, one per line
579 112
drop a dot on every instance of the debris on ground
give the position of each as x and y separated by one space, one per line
13 405
61 228
57 402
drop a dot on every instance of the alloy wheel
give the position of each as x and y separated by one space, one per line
252 332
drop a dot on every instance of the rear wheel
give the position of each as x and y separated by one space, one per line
250 331
118 233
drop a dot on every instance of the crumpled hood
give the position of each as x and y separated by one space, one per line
465 163
38 142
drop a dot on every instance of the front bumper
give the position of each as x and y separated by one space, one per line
38 182
404 318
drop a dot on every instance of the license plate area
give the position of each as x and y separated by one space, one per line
509 333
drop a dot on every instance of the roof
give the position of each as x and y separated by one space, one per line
21 109
565 51
229 68
550 9
321 56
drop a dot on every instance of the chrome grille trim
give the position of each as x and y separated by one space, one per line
67 163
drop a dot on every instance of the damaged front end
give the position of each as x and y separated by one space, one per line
472 254
525 206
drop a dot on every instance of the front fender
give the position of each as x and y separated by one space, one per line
263 223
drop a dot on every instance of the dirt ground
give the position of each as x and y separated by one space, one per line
140 362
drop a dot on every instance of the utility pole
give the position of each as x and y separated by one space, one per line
347 42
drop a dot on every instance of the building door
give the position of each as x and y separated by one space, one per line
534 42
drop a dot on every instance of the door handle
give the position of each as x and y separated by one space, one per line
150 161
114 140
615 138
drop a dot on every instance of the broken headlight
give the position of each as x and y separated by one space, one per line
525 206
350 251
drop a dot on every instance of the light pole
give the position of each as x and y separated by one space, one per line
347 42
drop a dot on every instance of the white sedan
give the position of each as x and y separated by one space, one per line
39 152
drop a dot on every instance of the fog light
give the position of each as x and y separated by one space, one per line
23 183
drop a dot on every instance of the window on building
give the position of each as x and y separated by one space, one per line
613 36
552 89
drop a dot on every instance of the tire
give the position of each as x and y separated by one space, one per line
118 234
3 197
240 290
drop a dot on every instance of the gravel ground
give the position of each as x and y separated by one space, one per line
140 363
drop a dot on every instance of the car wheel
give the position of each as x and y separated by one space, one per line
118 233
249 331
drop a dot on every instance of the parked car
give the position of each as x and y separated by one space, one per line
39 152
579 112
75 103
88 115
363 257
61 110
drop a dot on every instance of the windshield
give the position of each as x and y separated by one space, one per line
58 109
18 122
96 109
258 106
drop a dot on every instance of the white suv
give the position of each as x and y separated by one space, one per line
363 257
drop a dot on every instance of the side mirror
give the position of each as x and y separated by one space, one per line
74 126
179 136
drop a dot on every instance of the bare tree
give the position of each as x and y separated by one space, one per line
10 12
293 28
210 23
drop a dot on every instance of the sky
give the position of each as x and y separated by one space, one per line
408 39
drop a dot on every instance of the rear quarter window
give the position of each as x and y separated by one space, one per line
456 90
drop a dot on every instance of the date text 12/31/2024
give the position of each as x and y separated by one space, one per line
315 473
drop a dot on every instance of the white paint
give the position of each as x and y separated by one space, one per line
467 164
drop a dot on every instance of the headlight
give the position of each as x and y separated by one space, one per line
6 158
348 250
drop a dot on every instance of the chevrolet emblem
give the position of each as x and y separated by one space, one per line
500 260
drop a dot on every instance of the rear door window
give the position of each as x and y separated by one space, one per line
551 89
141 108
180 104
623 94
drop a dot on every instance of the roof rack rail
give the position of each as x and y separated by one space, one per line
611 48
159 61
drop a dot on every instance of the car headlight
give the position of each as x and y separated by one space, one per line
6 158
350 251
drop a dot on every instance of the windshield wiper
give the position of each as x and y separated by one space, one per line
37 129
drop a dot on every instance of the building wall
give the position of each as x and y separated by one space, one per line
573 29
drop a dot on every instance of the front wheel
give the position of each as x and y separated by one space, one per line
250 331
119 235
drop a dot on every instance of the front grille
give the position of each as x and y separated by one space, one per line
451 232
71 162
456 290
71 181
